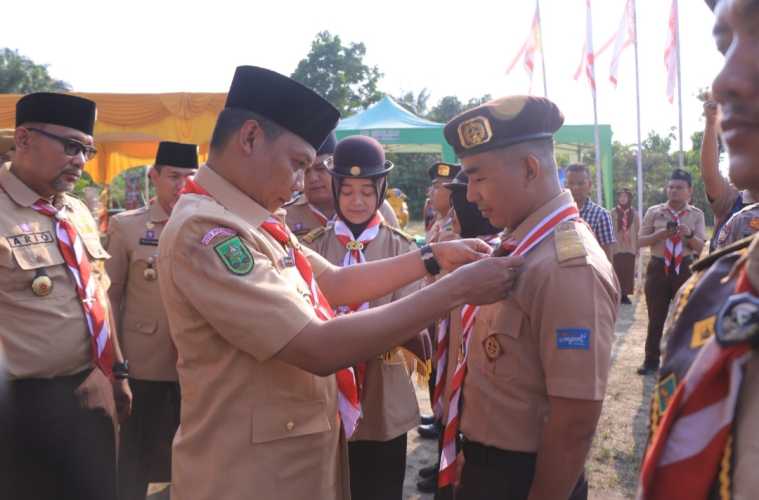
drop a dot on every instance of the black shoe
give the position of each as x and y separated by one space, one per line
431 431
430 471
646 369
428 485
427 419
625 300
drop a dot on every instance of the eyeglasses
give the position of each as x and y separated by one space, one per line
70 146
328 163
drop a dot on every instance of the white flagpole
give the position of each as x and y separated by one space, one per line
640 147
681 156
599 178
542 54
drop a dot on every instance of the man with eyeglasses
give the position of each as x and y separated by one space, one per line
315 208
67 376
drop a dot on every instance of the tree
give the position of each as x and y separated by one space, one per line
450 105
337 72
20 75
416 104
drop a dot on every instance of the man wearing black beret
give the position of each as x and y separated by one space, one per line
267 400
63 355
531 369
145 446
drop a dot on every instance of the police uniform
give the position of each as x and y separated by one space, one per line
250 425
377 449
145 444
62 421
661 282
543 341
741 224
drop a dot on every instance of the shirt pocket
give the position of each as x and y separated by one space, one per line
22 264
288 419
502 347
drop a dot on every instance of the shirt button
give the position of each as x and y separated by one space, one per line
290 425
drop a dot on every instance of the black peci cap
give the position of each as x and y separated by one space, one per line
177 154
57 109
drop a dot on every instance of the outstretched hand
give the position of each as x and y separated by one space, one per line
454 254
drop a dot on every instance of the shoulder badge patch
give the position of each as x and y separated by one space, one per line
235 256
314 235
568 242
702 330
401 233
573 338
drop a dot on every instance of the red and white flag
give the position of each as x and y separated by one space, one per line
530 48
623 38
670 53
588 57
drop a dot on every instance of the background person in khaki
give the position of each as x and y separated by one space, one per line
625 249
377 450
62 427
255 359
315 207
676 232
538 361
145 445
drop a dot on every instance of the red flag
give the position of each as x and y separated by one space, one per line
529 49
588 58
670 52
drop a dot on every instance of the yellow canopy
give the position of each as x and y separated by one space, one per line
130 126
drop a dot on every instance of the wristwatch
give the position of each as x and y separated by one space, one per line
121 370
430 262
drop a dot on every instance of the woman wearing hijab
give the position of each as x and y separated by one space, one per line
625 250
389 409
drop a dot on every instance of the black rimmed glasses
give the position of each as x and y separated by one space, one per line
71 147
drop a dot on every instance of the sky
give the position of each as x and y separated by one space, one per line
457 48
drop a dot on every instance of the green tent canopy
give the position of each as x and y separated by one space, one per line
401 131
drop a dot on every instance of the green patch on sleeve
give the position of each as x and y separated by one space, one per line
235 256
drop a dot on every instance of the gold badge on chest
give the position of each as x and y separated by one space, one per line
492 348
42 285
150 273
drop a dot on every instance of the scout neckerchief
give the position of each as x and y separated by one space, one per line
673 246
355 255
541 231
624 216
691 452
441 353
323 219
349 405
87 287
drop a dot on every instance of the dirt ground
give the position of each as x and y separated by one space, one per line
621 435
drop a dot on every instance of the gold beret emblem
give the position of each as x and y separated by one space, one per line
41 285
443 170
474 132
355 170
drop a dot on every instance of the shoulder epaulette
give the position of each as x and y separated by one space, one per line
314 234
710 259
569 244
400 232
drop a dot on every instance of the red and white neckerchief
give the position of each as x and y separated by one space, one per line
673 246
625 221
441 353
541 231
355 255
349 405
87 287
323 219
693 442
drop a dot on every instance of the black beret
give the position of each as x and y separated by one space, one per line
360 156
442 170
459 182
58 109
679 174
283 101
503 122
176 154
328 147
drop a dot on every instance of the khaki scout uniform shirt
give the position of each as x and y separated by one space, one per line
545 340
656 219
388 400
626 242
301 220
143 327
251 426
44 336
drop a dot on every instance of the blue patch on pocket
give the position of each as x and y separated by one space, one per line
573 338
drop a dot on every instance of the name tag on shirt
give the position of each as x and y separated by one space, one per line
23 240
153 242
573 338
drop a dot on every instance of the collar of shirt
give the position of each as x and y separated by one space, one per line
157 213
22 194
231 198
533 219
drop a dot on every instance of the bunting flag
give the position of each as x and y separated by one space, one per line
670 52
587 62
530 48
623 38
